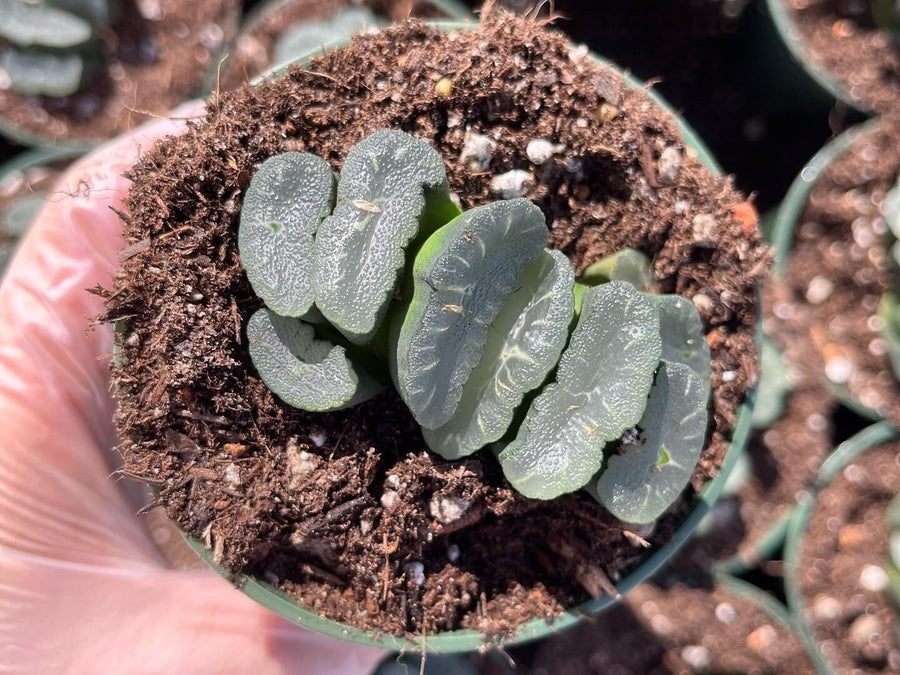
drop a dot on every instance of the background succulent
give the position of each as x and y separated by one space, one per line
475 317
47 47
889 310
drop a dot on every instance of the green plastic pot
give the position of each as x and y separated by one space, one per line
467 639
867 439
790 36
788 215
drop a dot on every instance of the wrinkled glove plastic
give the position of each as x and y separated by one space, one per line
82 587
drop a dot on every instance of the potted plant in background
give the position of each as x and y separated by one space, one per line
343 519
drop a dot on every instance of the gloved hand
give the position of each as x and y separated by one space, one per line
82 587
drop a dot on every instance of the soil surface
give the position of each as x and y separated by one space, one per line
255 46
845 546
657 631
341 510
156 54
838 270
840 37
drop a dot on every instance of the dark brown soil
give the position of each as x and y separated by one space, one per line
157 54
255 45
852 624
675 630
838 270
841 38
298 498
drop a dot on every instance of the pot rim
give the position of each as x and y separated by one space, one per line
463 640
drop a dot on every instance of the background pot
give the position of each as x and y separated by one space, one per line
467 639
869 438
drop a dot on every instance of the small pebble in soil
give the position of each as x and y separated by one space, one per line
838 370
606 113
392 481
233 475
511 184
873 578
696 657
447 508
760 639
669 165
819 290
729 376
444 87
826 608
703 303
865 628
540 150
477 152
705 227
365 526
453 553
318 439
390 500
300 462
726 613
415 572
852 537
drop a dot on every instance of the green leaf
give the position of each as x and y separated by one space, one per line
889 312
97 12
462 277
34 73
626 265
682 334
306 36
601 390
773 386
640 484
304 372
387 183
18 216
27 24
286 201
524 343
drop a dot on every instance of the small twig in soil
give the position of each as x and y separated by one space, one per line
337 513
636 539
200 417
592 578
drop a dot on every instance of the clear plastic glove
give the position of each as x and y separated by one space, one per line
82 587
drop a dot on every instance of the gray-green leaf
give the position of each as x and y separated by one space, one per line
286 201
524 343
383 192
640 484
28 24
306 36
302 371
682 334
34 73
600 391
20 214
462 276
626 265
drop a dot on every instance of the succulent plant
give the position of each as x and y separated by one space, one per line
473 315
307 36
889 309
47 47
886 15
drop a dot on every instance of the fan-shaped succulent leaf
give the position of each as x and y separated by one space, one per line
97 12
889 312
34 73
27 24
601 390
626 265
682 334
643 481
388 183
18 216
307 36
286 200
462 277
302 371
524 343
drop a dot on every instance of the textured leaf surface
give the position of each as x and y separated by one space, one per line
360 248
640 484
601 390
38 24
626 265
34 73
462 276
302 371
524 343
286 200
682 334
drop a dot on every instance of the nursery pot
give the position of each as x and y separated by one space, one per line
467 639
790 37
844 454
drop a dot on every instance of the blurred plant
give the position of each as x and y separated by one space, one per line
886 15
889 308
50 47
307 36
